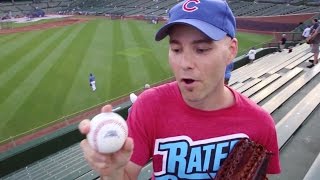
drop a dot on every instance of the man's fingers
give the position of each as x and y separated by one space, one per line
106 108
84 126
128 145
91 154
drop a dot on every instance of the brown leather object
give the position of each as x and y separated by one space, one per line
310 41
247 161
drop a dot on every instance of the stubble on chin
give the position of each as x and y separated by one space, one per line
190 96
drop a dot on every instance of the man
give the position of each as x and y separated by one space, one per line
306 32
189 126
92 82
252 54
314 40
283 42
133 98
146 86
315 25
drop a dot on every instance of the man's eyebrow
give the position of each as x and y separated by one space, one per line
172 41
208 41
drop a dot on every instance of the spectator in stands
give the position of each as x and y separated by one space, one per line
283 42
252 54
190 125
133 97
92 82
315 25
227 74
301 26
146 86
306 32
314 40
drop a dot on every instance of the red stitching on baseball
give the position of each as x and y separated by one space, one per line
100 125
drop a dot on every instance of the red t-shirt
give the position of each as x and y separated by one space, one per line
187 143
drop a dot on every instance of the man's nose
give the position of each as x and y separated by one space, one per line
186 61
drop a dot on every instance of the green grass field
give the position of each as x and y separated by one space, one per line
44 74
14 25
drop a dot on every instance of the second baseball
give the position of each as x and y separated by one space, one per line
108 132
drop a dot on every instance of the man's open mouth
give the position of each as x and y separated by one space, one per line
188 81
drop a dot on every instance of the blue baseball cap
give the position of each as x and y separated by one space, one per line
212 17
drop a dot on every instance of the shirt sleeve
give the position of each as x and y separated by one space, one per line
266 135
271 143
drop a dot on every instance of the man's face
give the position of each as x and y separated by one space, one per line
199 63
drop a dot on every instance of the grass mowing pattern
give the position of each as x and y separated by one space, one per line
14 25
44 74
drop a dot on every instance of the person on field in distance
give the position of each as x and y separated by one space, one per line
92 82
189 126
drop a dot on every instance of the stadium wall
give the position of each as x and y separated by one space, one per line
293 19
271 24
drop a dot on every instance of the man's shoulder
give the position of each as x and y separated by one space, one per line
315 26
246 104
251 52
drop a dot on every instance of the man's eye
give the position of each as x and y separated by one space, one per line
202 50
176 50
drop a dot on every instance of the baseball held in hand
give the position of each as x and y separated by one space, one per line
108 132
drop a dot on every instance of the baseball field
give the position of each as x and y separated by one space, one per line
44 73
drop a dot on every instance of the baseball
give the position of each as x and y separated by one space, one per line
108 132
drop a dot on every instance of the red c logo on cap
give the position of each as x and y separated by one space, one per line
186 7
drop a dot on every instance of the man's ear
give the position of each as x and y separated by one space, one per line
233 49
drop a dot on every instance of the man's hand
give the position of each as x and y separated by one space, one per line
308 40
111 165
